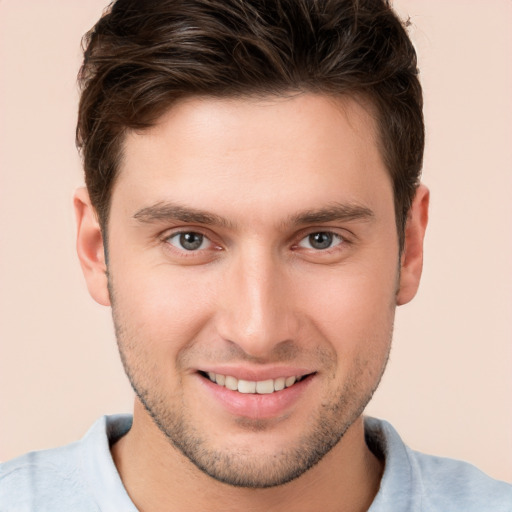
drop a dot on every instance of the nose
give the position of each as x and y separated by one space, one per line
257 304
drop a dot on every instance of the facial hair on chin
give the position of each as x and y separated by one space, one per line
243 467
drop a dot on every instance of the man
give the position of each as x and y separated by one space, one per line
253 215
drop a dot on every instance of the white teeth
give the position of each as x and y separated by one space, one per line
290 381
246 386
264 387
279 383
231 383
261 387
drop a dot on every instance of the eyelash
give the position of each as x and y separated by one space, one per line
181 234
343 241
332 236
191 253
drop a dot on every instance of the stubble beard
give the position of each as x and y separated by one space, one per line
244 467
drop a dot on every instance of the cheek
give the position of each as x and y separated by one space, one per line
163 307
354 311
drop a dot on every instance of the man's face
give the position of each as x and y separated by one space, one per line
254 241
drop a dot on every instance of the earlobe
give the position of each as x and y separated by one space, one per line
90 249
411 263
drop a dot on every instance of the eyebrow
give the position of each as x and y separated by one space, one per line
334 212
167 211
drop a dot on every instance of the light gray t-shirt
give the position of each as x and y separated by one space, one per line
82 477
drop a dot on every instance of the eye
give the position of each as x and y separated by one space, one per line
189 241
321 240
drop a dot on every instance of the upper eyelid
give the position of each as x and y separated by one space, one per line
170 232
179 233
343 241
334 233
345 234
187 255
176 233
166 236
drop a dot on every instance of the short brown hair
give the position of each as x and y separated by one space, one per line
142 56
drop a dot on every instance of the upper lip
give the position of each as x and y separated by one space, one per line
257 374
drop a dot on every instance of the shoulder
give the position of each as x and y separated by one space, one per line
449 484
49 478
79 477
428 483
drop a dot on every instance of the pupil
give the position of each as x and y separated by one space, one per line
191 241
320 240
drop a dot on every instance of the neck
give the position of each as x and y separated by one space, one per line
155 475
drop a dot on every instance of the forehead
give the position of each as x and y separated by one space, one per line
268 119
247 150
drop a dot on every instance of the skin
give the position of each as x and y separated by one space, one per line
257 295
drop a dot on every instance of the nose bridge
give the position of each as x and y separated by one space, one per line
257 311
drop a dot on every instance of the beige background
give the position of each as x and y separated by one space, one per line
448 386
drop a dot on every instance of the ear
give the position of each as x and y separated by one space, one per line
90 248
411 262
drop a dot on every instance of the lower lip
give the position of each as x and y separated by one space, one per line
255 406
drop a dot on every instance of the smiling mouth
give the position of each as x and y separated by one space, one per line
260 387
